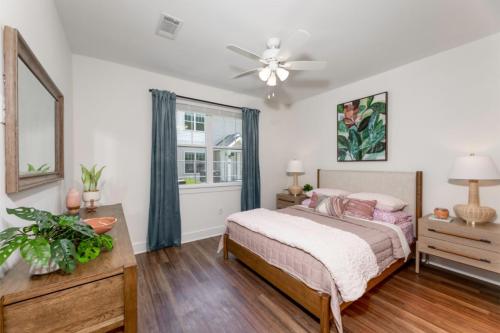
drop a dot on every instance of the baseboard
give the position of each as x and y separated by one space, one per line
141 247
463 272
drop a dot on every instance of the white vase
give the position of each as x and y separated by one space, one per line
37 269
91 196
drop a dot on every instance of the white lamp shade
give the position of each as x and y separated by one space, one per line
265 73
282 74
474 167
295 166
272 80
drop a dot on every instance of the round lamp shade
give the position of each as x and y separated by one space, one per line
295 166
474 167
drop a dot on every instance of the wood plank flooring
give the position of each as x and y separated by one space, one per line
191 289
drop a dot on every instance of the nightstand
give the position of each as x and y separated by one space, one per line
477 246
284 200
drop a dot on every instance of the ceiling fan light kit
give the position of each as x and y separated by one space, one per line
275 60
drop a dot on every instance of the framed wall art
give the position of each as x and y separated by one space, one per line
362 129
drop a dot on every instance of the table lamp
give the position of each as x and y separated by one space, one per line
474 168
295 168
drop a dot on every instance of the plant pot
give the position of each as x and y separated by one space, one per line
37 269
90 199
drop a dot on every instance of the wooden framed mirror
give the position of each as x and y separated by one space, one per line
34 107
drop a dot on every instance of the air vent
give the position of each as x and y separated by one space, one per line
168 26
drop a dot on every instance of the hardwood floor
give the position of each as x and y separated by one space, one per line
190 289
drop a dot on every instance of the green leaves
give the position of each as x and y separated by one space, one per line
90 178
59 238
36 251
7 248
363 139
64 254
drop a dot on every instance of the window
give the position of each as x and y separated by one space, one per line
208 144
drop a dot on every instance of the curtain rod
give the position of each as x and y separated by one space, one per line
205 101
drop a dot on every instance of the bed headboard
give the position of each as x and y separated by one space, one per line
404 185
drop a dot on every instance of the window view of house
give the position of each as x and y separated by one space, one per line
208 145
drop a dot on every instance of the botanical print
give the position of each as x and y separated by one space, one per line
362 129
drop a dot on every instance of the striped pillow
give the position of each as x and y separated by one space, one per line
332 206
360 208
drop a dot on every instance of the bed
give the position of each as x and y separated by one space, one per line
301 275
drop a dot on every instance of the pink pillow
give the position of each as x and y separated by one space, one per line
306 202
360 208
315 200
332 206
398 217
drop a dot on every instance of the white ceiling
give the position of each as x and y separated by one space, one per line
358 38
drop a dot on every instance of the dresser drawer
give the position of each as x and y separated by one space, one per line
283 204
93 307
460 233
460 253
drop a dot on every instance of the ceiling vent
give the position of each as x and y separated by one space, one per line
168 26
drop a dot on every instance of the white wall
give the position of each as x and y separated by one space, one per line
439 108
38 22
113 127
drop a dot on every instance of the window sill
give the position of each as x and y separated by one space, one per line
209 187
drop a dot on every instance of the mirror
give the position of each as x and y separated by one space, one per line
33 119
36 107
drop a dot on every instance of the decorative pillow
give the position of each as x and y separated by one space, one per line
306 202
315 200
384 202
329 192
398 217
332 206
360 208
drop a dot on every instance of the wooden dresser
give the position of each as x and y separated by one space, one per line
284 200
99 296
477 246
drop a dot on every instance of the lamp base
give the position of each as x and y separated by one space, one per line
295 190
474 213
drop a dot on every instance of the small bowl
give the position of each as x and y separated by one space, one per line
101 224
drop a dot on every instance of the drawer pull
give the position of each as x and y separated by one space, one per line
460 236
459 254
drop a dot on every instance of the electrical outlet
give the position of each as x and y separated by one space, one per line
221 211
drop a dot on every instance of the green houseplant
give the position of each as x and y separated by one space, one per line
51 241
90 180
307 188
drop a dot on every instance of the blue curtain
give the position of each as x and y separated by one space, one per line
164 226
250 190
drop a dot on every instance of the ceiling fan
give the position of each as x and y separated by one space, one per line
274 59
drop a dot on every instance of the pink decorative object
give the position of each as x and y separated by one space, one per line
101 224
398 217
73 200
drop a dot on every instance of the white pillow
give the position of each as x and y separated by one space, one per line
385 202
329 192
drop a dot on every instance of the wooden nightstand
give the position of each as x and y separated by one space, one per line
284 200
477 246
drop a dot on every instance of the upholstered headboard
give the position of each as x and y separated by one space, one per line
404 185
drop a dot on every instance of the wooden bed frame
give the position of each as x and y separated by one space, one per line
316 302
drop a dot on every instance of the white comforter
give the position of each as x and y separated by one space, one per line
349 259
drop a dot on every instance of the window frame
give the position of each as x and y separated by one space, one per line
209 153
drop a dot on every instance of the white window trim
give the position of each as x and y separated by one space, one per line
209 158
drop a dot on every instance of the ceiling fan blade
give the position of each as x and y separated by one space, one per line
304 65
293 44
243 52
251 71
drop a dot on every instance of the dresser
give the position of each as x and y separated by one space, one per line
284 200
477 246
99 296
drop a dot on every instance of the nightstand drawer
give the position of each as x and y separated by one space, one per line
460 253
460 234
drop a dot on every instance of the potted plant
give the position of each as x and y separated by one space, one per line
52 242
90 180
307 188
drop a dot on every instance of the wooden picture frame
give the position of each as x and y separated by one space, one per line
360 138
14 48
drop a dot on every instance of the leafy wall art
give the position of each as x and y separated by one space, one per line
362 129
